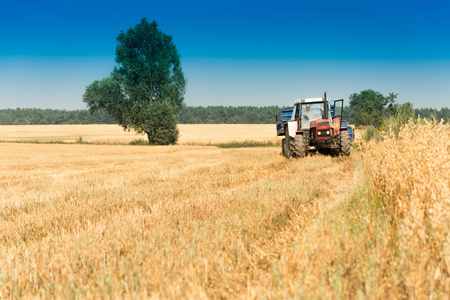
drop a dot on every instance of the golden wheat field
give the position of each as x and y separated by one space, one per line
122 221
195 133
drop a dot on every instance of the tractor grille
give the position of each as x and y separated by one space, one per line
323 133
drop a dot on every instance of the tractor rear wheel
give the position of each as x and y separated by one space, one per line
300 150
345 143
283 147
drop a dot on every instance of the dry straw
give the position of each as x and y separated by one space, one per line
411 183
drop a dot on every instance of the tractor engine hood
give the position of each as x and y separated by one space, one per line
320 123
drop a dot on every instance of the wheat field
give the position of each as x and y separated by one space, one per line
121 221
107 134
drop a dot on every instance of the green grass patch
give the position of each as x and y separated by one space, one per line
140 142
77 141
34 142
239 144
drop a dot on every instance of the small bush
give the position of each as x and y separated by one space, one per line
138 142
402 114
372 133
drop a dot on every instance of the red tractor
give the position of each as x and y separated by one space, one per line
311 125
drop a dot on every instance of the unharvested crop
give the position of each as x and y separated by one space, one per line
410 175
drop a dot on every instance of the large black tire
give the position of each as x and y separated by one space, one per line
300 150
283 147
287 143
345 143
292 146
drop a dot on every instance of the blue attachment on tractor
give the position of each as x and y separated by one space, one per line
281 118
349 129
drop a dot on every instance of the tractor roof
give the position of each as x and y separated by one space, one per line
308 100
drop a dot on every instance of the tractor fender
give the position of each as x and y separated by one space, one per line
292 126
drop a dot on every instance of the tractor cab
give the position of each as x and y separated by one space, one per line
309 112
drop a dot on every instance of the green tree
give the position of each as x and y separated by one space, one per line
145 91
370 107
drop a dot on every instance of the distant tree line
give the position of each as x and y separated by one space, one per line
429 113
35 116
189 115
228 115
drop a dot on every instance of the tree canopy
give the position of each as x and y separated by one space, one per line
145 91
370 107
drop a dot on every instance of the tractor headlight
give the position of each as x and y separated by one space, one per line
328 132
319 133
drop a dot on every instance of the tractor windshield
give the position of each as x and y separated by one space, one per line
311 112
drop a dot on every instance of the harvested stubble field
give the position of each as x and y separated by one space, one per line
92 221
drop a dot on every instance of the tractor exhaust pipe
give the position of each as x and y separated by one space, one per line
325 111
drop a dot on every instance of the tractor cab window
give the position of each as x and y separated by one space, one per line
311 112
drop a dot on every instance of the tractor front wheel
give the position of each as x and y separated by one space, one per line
345 143
300 150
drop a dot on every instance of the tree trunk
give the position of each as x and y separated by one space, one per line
150 139
151 90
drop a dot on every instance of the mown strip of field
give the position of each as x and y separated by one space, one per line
172 222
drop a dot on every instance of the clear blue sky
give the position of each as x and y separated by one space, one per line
233 52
